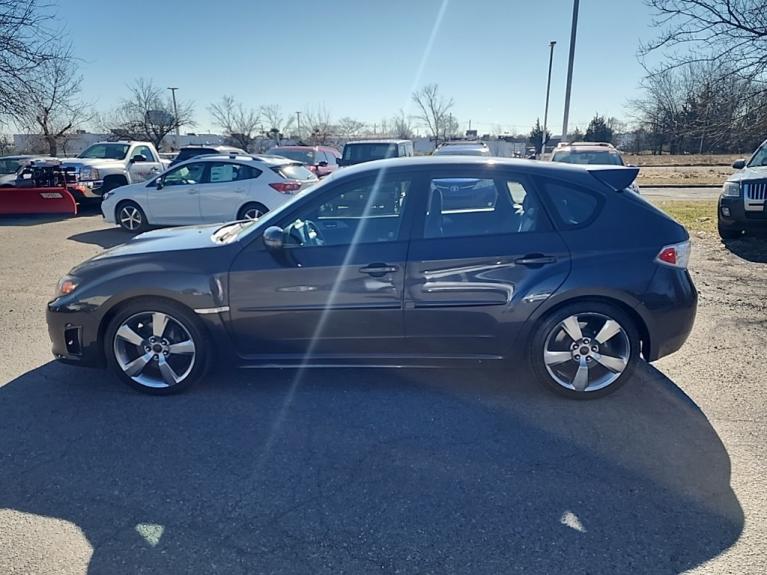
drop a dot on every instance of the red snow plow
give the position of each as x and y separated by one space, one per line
41 187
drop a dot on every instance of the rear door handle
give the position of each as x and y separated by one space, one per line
535 260
378 270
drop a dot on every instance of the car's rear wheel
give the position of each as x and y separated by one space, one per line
156 347
585 350
131 217
729 232
252 211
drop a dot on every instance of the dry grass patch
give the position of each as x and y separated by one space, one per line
695 215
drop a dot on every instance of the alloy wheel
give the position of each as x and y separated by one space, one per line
586 352
130 218
252 214
154 349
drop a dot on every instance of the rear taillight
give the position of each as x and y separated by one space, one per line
675 255
286 187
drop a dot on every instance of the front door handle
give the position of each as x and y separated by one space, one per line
535 260
378 270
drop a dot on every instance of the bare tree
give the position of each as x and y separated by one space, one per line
26 43
401 126
349 127
147 114
433 110
240 125
317 125
276 123
53 107
721 32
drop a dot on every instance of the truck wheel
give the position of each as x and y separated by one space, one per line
729 232
131 217
252 211
112 182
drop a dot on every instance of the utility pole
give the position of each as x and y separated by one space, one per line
573 31
298 121
548 88
175 116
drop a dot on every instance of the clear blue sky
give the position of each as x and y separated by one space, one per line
363 58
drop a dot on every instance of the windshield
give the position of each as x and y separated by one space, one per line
303 156
106 152
356 153
588 157
759 158
8 166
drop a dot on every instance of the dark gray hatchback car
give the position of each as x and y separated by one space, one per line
562 270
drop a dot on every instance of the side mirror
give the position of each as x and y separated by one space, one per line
739 164
322 164
138 158
159 183
274 237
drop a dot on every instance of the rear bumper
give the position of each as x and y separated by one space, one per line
670 307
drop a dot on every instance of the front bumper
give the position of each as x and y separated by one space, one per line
74 335
732 213
92 189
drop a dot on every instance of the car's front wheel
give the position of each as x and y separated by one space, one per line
156 347
131 217
585 350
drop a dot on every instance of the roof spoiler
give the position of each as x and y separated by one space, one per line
617 178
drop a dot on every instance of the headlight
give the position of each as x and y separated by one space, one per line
107 195
66 286
88 173
731 189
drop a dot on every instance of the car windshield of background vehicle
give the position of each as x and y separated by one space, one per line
366 152
303 156
590 158
759 159
8 167
106 152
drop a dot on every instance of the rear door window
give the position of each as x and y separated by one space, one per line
572 205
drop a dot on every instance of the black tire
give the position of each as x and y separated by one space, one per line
550 333
112 182
729 232
130 217
250 207
150 379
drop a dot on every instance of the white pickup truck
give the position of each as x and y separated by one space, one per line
108 165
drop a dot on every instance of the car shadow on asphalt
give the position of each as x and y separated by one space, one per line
107 238
327 471
752 248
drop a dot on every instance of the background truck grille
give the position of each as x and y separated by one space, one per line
755 190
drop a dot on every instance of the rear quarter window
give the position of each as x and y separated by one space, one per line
572 206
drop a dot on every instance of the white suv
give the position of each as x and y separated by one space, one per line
207 189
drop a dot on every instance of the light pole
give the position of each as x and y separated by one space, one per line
298 121
175 116
548 88
573 31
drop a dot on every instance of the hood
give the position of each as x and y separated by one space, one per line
93 162
156 242
755 173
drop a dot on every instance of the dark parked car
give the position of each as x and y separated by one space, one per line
743 202
193 151
566 269
320 160
371 150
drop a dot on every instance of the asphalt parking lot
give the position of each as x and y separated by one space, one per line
397 471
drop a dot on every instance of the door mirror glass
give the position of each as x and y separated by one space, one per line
739 164
159 183
138 158
274 237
